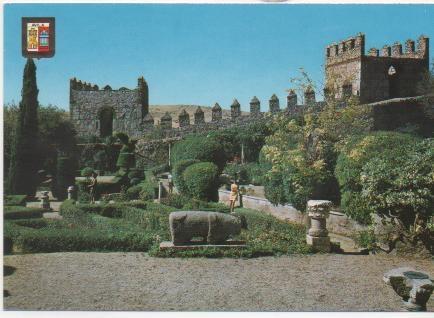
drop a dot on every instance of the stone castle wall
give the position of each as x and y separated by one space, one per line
125 107
376 76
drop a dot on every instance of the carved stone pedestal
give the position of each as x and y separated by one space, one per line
317 237
71 192
45 201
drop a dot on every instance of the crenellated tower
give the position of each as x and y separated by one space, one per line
390 72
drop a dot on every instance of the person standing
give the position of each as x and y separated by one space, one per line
92 186
233 197
170 179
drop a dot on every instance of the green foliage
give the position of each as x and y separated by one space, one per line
148 189
201 181
21 212
354 155
178 170
19 199
251 136
48 240
365 239
83 195
202 148
401 182
248 173
175 200
160 169
23 166
133 193
302 151
87 172
127 158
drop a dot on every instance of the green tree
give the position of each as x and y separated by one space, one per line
23 167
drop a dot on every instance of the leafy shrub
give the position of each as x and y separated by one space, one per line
160 169
175 200
87 172
136 173
352 159
21 212
178 170
148 189
133 193
248 173
201 180
200 148
19 199
83 195
401 184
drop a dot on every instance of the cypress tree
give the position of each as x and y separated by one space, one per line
23 177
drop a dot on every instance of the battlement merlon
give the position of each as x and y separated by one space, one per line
351 48
78 85
354 47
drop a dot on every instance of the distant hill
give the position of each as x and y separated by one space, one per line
158 111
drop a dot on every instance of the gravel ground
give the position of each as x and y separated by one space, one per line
135 281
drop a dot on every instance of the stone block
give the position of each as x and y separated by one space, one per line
199 245
413 286
320 244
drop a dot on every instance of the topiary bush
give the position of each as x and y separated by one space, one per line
201 181
178 170
83 195
87 172
202 148
352 159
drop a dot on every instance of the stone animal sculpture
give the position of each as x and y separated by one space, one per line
213 227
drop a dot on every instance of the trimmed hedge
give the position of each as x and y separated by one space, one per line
114 210
178 170
19 199
200 148
48 240
201 181
21 212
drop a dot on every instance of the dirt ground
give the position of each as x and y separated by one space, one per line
135 281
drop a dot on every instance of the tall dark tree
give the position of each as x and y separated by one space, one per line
23 177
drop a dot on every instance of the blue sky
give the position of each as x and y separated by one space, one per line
198 54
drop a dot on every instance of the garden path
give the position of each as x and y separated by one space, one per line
135 281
